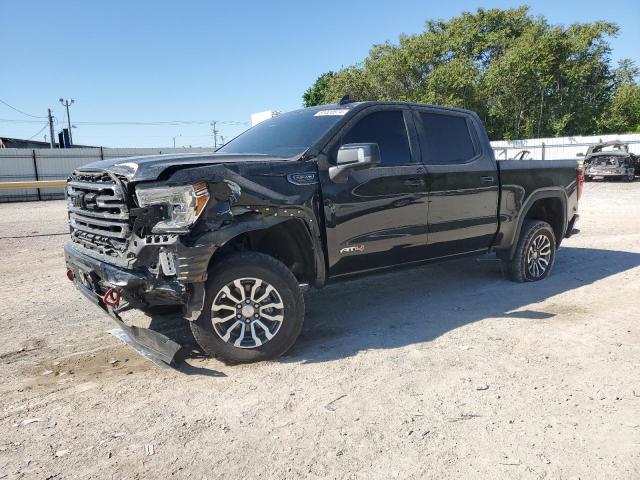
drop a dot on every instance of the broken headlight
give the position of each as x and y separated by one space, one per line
185 204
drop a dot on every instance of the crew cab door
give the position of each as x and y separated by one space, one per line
378 216
462 182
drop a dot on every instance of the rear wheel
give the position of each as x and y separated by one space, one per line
253 309
535 253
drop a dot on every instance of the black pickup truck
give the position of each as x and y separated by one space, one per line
305 198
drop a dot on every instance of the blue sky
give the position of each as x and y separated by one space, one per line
155 61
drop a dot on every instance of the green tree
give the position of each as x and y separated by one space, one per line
626 73
523 76
623 114
315 94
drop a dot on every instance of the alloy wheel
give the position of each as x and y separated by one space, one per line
539 256
247 312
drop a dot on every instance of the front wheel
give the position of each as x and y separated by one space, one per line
253 309
535 253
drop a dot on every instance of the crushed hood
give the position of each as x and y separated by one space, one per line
137 169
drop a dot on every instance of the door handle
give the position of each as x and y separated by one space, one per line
414 182
487 179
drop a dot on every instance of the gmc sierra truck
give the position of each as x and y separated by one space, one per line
308 197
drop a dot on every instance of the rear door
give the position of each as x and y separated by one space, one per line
462 182
378 217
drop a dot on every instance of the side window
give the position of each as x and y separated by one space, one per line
448 138
388 130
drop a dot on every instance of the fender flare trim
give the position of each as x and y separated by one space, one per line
540 194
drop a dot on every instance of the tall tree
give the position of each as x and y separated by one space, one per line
522 75
315 94
623 113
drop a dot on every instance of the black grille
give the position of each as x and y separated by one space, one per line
98 212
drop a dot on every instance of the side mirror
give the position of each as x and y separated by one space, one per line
354 156
580 154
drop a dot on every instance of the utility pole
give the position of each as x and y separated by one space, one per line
52 138
174 139
215 134
67 103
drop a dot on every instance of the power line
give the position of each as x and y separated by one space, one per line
20 111
117 123
38 132
15 120
160 123
150 136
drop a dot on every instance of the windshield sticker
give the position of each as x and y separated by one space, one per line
338 112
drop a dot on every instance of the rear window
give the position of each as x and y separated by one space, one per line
448 138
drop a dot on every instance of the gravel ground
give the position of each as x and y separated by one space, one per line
444 371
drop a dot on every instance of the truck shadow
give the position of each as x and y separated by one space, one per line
418 305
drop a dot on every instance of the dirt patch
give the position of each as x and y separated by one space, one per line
446 371
100 363
27 348
568 309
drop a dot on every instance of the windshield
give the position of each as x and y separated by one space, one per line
287 134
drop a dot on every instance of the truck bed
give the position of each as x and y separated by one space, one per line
522 182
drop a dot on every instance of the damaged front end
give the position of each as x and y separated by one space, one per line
147 244
611 160
608 166
129 251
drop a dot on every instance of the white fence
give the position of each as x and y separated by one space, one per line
18 164
561 148
22 164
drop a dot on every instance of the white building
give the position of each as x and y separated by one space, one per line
256 118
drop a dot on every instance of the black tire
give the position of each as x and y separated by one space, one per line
250 265
519 269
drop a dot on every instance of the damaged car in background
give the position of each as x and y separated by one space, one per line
611 160
305 198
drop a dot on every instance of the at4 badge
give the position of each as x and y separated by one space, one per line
353 249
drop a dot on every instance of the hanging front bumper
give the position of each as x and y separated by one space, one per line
93 278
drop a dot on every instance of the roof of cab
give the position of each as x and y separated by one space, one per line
352 105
